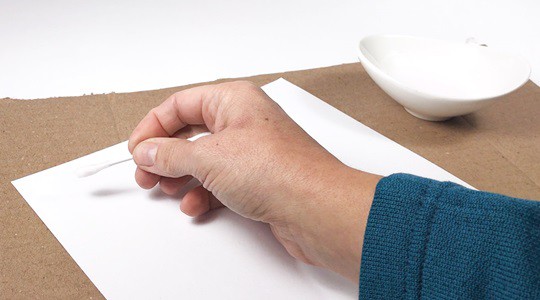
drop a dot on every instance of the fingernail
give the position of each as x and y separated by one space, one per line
145 154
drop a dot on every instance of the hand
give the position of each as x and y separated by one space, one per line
261 165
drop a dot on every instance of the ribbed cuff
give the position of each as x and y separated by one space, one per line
394 242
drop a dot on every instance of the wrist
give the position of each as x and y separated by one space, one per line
337 220
348 222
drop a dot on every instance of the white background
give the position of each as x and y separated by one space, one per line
60 48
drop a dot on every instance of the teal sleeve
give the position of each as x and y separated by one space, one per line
427 239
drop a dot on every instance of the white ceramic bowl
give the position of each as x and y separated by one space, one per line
435 80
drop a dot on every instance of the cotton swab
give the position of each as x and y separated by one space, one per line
92 169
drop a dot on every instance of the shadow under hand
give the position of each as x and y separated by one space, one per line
107 192
157 194
260 236
207 217
334 281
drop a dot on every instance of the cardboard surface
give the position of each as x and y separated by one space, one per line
496 149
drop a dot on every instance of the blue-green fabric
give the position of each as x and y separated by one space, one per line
427 239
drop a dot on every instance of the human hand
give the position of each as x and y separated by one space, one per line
260 164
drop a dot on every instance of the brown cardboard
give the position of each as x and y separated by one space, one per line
496 149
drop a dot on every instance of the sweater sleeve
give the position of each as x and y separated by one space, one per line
427 239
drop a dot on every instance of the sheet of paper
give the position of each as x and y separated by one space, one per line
136 244
352 142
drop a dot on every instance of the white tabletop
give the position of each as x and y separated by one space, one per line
61 48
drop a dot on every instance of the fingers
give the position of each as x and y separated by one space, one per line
196 106
189 107
168 157
145 179
171 186
198 201
195 202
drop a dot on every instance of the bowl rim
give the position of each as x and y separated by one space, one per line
364 60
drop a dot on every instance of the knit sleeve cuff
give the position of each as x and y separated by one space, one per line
397 225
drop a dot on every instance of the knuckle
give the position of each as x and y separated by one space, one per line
240 89
244 85
175 96
153 113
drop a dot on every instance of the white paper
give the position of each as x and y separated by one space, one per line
136 244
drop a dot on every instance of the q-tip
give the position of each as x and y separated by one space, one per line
89 170
93 169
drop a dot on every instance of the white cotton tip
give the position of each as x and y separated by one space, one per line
93 169
90 170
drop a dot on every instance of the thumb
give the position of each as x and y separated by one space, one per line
169 157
